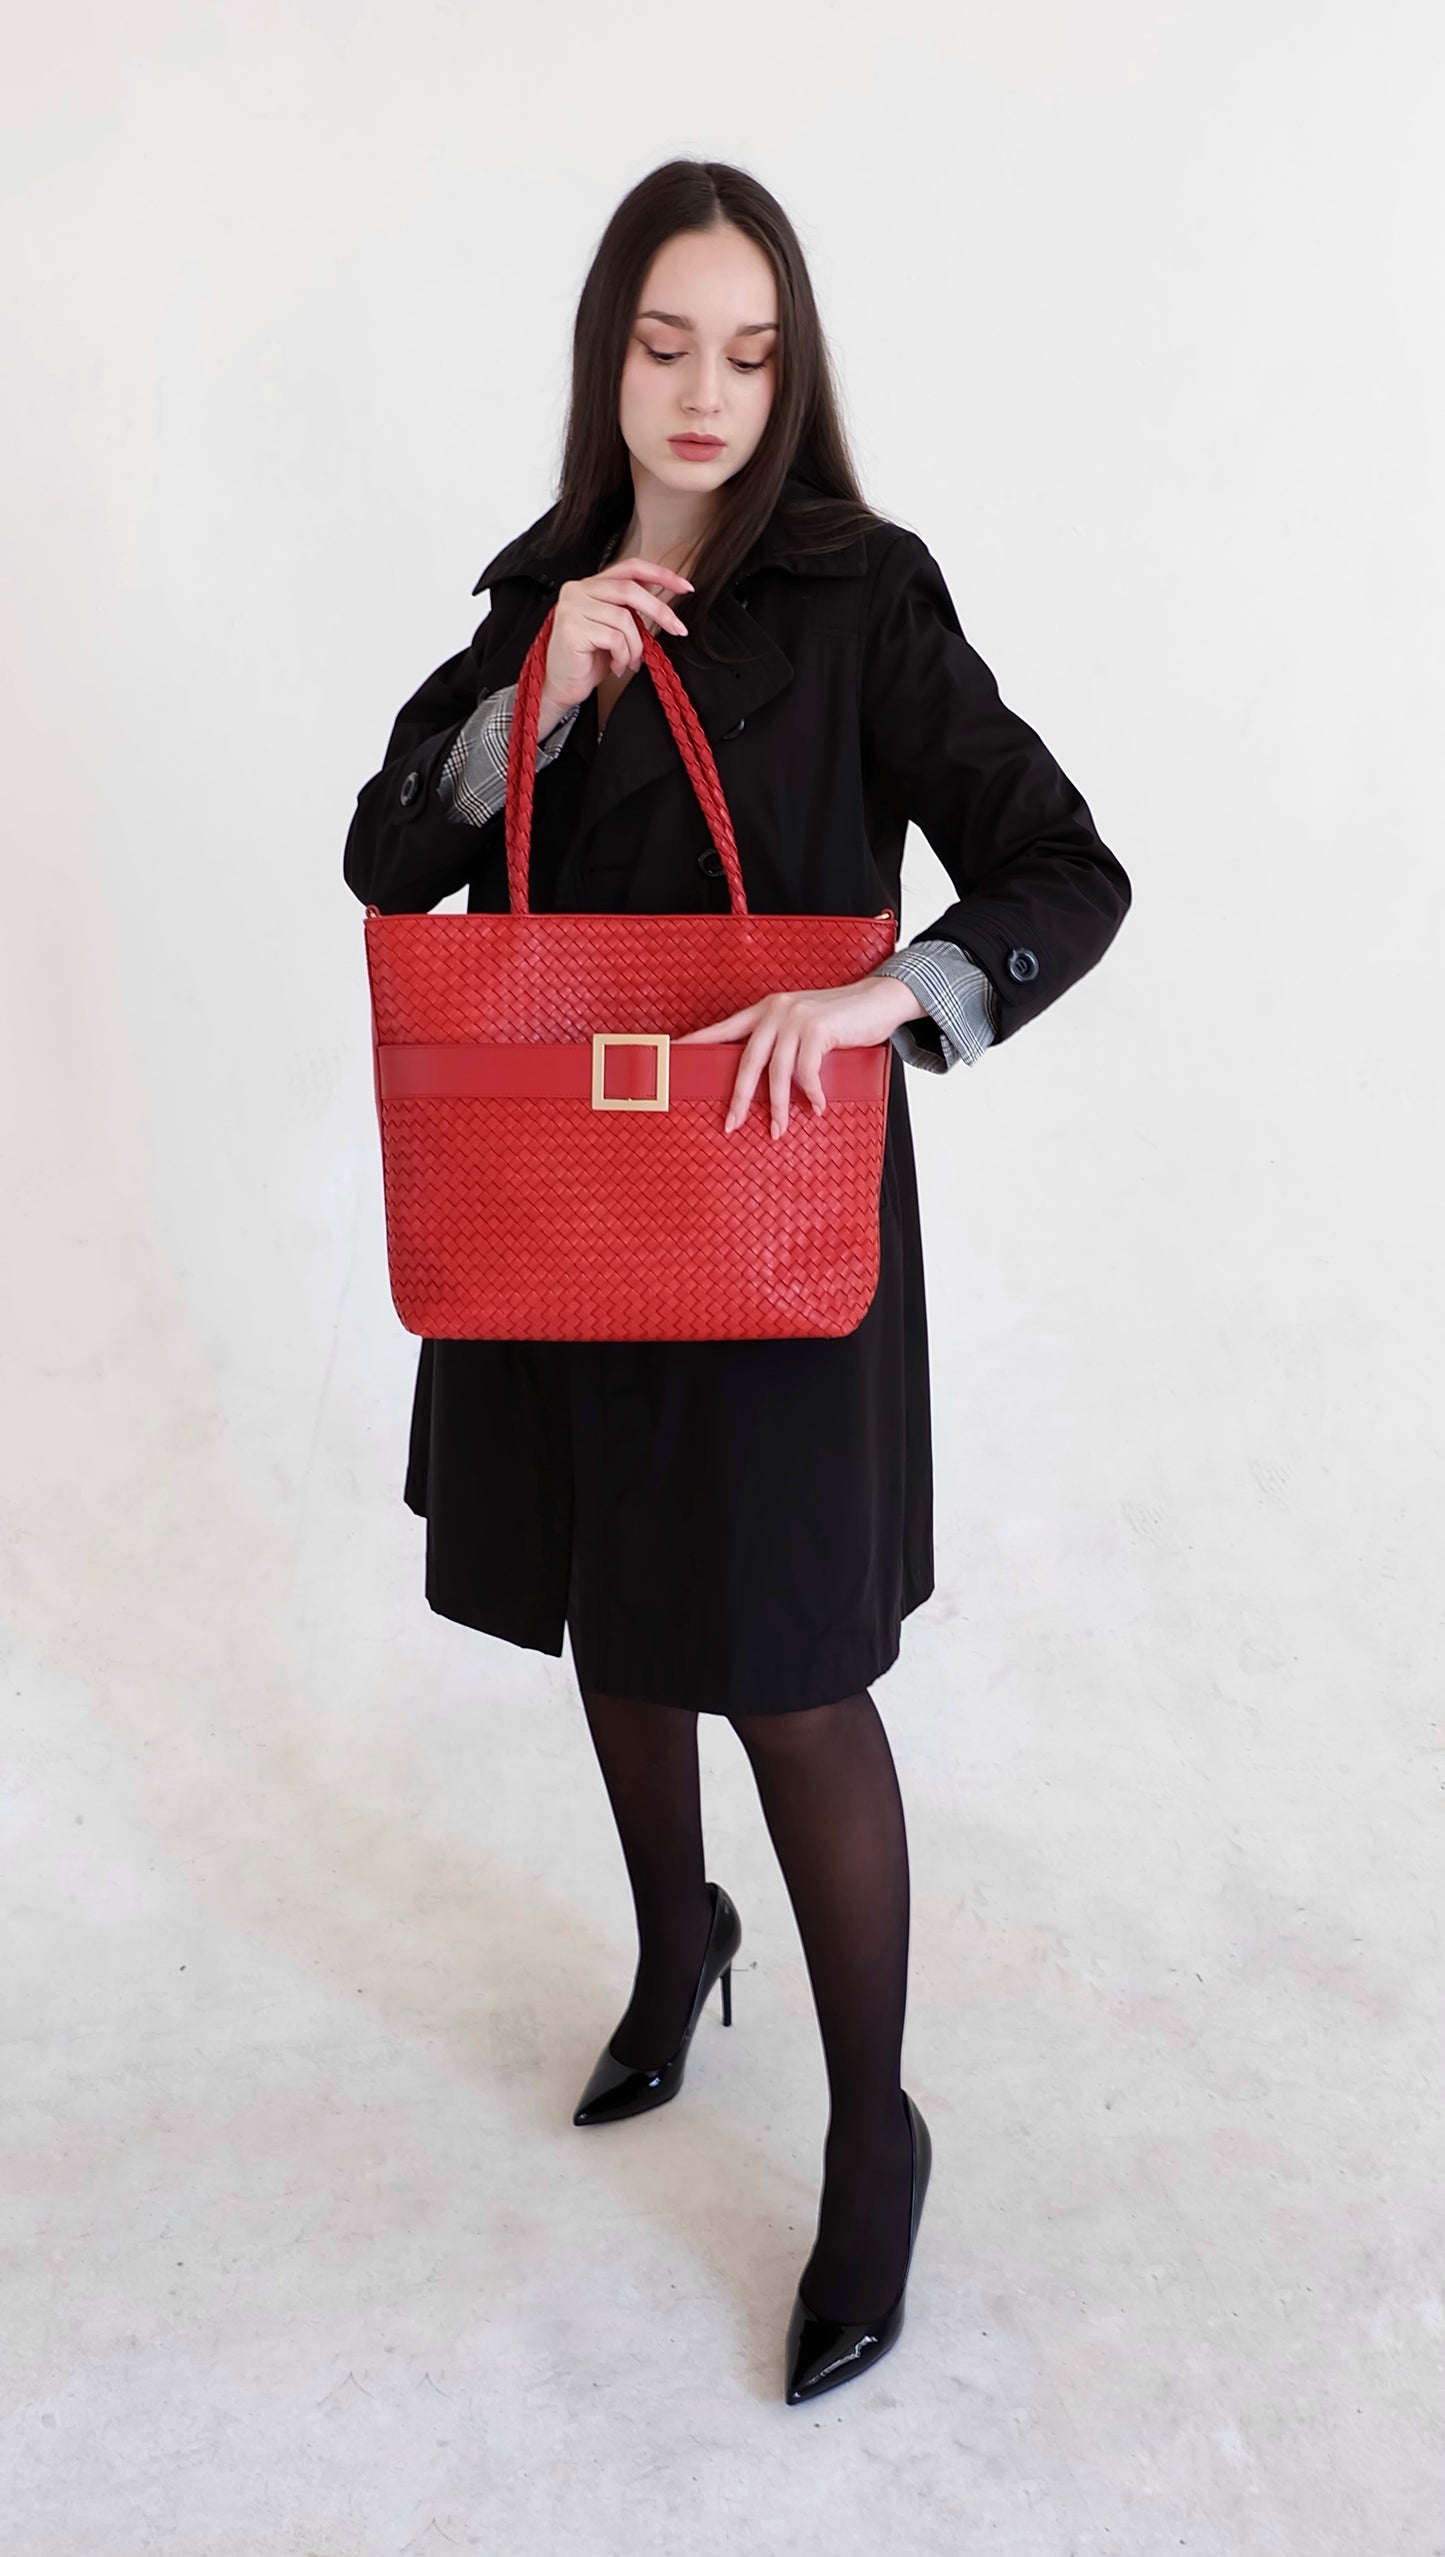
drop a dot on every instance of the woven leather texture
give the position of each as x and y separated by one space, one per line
562 976
545 1219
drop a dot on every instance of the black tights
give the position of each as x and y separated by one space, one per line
830 1797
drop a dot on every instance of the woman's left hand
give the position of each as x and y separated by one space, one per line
791 1034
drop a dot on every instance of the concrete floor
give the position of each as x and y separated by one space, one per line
315 1924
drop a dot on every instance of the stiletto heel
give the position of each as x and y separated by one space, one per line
614 2090
823 2352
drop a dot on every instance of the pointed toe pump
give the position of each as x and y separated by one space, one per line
614 2090
822 2352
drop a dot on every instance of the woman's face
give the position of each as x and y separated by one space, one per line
702 359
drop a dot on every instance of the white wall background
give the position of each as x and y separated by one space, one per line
1136 309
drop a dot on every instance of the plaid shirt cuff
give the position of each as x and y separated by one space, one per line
958 998
472 783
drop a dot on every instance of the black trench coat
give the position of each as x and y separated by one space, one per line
734 1526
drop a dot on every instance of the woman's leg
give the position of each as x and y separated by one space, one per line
831 1800
648 1757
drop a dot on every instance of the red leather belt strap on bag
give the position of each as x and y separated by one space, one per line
563 1071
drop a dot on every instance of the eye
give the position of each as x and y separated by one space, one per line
674 354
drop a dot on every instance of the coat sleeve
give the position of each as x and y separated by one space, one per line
1039 896
403 851
419 833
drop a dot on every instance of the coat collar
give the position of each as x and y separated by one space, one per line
777 545
639 746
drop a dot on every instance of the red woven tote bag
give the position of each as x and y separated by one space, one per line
554 1164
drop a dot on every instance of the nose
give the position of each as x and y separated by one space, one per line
703 401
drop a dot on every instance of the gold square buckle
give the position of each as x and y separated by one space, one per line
602 1040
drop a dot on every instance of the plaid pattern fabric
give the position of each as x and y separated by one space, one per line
956 995
958 1000
472 783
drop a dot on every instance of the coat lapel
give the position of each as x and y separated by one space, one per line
638 747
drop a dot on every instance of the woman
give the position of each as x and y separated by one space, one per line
736 1527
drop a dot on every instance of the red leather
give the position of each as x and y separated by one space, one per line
449 1069
515 1208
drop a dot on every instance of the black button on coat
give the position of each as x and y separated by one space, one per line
735 1526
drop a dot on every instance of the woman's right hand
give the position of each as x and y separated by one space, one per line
594 632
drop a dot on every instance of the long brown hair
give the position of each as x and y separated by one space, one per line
804 438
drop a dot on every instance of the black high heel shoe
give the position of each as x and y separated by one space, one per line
614 2090
822 2352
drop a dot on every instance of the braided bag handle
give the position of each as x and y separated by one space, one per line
692 745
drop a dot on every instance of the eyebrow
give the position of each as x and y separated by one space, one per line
675 320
